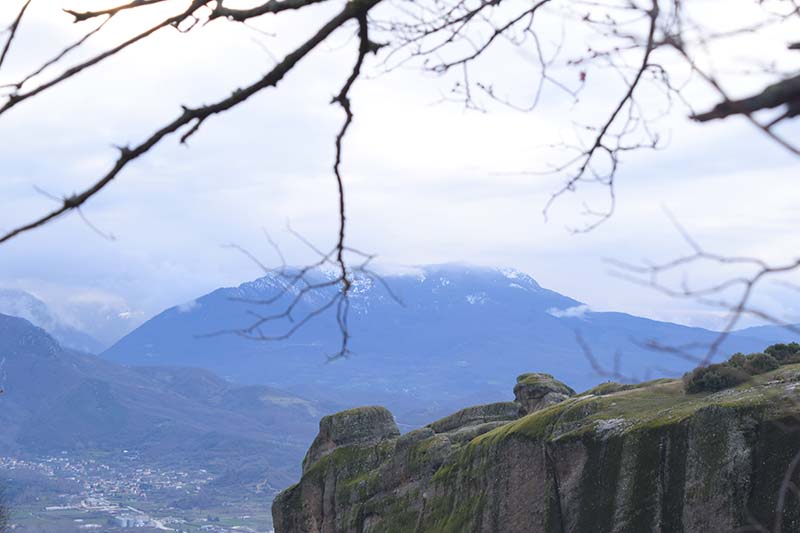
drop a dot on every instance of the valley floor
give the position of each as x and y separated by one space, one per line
111 492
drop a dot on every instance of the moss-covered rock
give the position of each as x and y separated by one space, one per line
646 457
360 426
535 391
479 414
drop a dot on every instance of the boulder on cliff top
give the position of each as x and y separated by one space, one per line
479 414
359 426
535 391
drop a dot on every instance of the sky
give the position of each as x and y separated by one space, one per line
427 181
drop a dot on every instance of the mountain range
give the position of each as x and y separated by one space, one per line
177 393
57 400
16 302
446 336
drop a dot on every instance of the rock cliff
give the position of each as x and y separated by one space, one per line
617 458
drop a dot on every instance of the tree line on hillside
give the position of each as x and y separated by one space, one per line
739 368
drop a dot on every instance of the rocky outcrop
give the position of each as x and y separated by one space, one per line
633 458
535 391
480 414
362 426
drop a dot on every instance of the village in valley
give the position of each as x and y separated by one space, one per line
69 493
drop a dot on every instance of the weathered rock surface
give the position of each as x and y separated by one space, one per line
479 414
361 426
535 391
615 459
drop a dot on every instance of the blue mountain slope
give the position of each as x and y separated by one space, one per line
461 336
15 302
58 400
770 334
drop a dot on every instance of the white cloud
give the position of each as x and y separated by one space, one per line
188 306
577 311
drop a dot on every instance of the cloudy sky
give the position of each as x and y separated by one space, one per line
428 181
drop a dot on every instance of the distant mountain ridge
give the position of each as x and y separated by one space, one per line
16 302
58 400
461 332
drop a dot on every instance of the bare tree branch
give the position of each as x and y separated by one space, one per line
85 15
17 97
650 275
786 92
271 6
194 117
12 31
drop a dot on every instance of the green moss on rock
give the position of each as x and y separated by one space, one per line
541 378
646 457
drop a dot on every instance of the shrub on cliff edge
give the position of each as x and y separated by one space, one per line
739 367
714 377
785 353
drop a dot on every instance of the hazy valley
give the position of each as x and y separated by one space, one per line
186 427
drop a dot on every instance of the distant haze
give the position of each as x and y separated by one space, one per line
426 183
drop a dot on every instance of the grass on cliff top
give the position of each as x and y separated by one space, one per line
647 405
534 378
610 387
362 410
540 378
